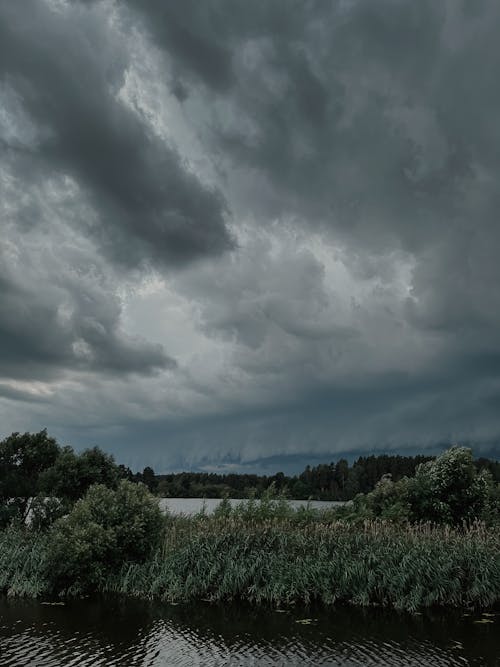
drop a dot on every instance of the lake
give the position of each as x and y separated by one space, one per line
130 633
191 506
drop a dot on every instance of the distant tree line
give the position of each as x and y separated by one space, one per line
327 481
34 467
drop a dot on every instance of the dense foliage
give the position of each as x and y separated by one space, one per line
280 561
23 459
33 467
104 529
449 489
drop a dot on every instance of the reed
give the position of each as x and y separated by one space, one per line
283 559
23 562
277 562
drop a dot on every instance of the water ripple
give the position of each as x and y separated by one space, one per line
133 634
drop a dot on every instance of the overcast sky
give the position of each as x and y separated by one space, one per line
250 234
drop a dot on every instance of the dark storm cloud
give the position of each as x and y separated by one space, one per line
13 394
376 121
67 325
367 116
192 34
370 118
67 67
389 414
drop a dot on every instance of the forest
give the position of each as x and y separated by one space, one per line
34 466
327 481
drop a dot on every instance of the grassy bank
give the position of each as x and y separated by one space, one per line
283 560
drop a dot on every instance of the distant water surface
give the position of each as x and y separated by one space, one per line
190 506
132 633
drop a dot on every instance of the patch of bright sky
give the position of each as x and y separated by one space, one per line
145 91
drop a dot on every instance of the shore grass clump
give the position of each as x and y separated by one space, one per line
277 562
24 562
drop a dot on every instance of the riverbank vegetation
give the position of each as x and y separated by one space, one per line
431 539
278 561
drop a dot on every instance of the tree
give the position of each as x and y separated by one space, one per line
388 500
341 474
23 458
72 474
148 478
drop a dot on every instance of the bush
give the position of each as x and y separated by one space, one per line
447 490
387 501
72 474
104 529
450 489
44 511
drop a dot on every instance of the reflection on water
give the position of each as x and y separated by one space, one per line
129 633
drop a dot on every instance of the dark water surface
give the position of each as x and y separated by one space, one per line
127 632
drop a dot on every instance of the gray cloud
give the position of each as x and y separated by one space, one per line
62 320
373 121
67 67
354 304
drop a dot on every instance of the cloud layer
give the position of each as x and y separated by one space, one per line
239 230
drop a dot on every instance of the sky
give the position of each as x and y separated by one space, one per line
250 235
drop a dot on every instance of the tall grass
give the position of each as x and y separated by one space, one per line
280 562
279 558
23 562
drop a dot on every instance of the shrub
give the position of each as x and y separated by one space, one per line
43 511
104 529
447 490
388 501
450 489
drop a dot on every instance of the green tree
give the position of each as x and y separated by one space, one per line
23 458
341 475
148 478
388 500
72 474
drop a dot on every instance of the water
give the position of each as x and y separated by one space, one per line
193 505
117 631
